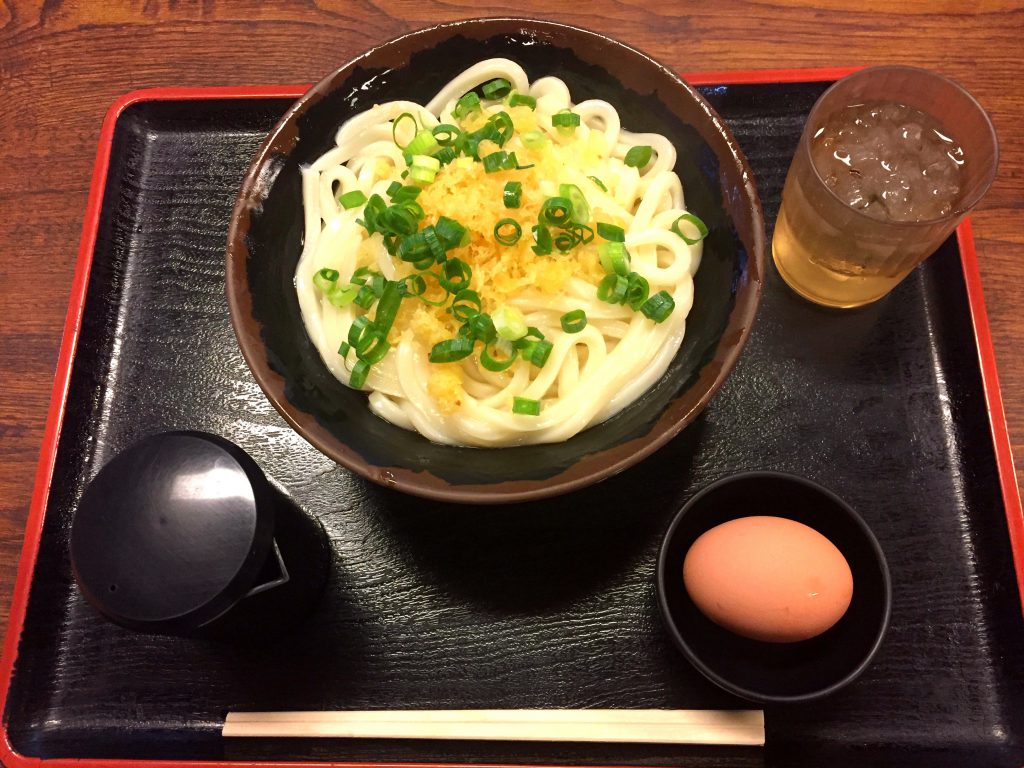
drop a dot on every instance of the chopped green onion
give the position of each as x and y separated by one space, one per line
450 232
413 207
638 291
398 220
397 121
426 161
455 275
533 139
415 249
516 99
611 232
344 349
613 289
565 121
509 323
387 307
540 352
598 182
504 127
528 348
580 208
326 279
360 326
659 306
702 229
357 378
422 297
544 242
497 88
365 297
491 363
502 161
352 199
638 157
495 161
424 262
446 155
512 194
404 200
556 210
465 305
361 275
487 132
525 406
437 250
377 352
614 258
375 207
445 134
468 103
574 321
405 194
565 241
413 285
468 146
583 234
527 343
373 347
451 350
507 232
342 297
423 144
482 327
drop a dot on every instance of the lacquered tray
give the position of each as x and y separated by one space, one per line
550 604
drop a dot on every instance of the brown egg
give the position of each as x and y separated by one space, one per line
768 578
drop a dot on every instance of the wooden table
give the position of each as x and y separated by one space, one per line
63 63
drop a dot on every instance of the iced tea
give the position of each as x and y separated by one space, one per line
877 185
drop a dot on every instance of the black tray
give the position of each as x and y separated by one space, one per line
546 604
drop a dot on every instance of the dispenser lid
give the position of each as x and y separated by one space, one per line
172 532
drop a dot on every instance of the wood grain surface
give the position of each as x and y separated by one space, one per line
63 63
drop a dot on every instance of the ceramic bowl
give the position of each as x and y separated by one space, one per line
777 673
265 242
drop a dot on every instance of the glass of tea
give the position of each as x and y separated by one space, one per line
890 160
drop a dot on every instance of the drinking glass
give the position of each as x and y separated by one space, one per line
839 256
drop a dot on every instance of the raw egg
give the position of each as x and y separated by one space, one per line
768 578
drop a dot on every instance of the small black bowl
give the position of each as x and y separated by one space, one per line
773 673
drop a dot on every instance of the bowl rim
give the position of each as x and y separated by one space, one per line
678 636
273 384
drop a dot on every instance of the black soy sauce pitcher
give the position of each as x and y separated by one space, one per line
182 534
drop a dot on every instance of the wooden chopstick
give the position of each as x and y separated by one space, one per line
641 726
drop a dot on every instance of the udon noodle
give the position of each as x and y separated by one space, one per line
547 258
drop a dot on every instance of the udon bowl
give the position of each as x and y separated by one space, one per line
265 242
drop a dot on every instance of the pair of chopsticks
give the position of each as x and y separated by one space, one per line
640 726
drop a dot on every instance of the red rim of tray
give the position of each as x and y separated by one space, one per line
72 325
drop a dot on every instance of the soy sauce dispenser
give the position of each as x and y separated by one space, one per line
183 534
